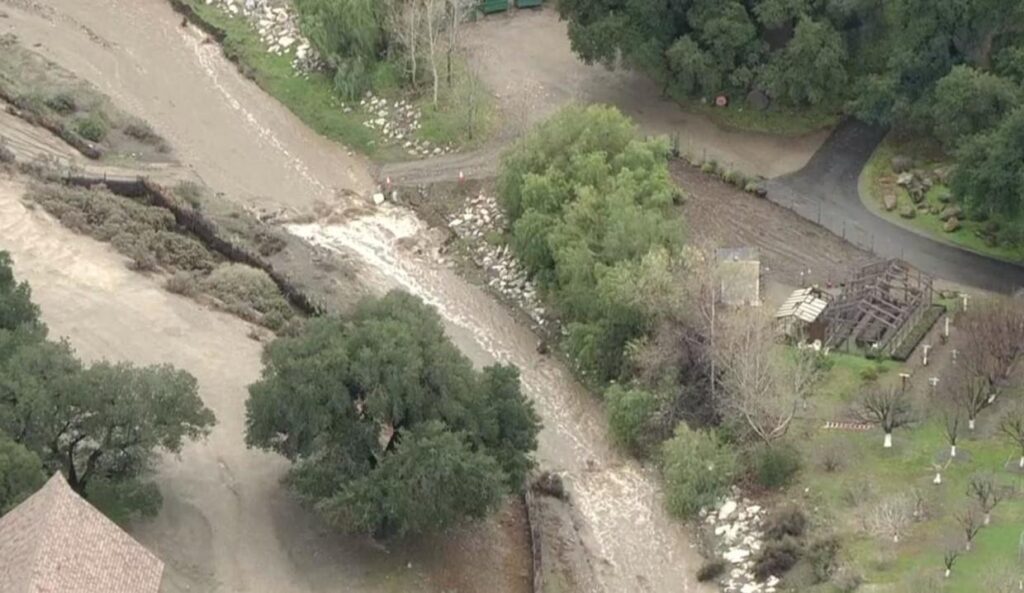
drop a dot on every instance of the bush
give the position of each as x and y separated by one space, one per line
190 191
788 521
63 103
92 127
710 570
183 283
776 558
846 579
832 456
6 154
248 293
630 413
774 467
269 242
823 555
698 469
142 132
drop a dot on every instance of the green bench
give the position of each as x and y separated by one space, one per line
491 6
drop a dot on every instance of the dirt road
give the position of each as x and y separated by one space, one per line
525 57
242 142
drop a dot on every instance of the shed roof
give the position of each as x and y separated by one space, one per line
804 304
56 542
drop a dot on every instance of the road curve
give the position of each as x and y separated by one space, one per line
827 188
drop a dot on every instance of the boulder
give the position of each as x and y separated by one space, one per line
889 201
916 193
952 225
758 99
727 509
908 212
550 484
901 164
951 211
904 179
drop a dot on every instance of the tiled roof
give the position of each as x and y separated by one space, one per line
56 542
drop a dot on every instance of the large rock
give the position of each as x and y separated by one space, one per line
758 99
889 201
727 509
952 225
908 212
905 179
901 164
951 211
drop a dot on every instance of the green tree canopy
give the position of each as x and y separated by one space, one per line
587 200
21 473
390 428
100 425
810 69
698 469
350 35
967 101
989 176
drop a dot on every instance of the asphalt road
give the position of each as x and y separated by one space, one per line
826 189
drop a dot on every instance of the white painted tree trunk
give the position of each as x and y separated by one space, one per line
952 450
895 538
947 573
992 399
988 518
888 441
1022 461
938 478
970 423
967 546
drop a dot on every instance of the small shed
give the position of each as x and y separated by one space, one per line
800 315
739 276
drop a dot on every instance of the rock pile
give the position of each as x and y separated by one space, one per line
480 221
278 26
736 527
398 121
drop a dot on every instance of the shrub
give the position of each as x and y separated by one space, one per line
869 374
846 579
823 555
6 154
248 293
735 178
183 283
698 469
832 456
774 467
63 103
31 102
630 412
142 131
788 521
92 127
710 570
776 558
269 242
190 191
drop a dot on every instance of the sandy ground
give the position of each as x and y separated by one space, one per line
227 524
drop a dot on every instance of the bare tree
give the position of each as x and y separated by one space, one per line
967 391
992 341
891 517
970 525
762 382
405 28
457 12
983 489
951 422
887 407
949 559
1012 428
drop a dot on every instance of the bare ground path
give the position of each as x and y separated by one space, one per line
525 58
242 142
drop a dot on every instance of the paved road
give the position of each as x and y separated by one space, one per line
827 188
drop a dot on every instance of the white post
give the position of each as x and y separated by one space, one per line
887 443
945 330
904 379
924 351
953 352
964 298
934 382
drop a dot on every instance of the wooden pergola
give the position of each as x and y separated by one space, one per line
878 307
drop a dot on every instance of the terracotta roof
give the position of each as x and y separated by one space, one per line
56 542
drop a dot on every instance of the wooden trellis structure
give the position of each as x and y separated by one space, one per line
878 307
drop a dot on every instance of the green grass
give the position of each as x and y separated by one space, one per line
778 121
838 500
968 234
310 97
